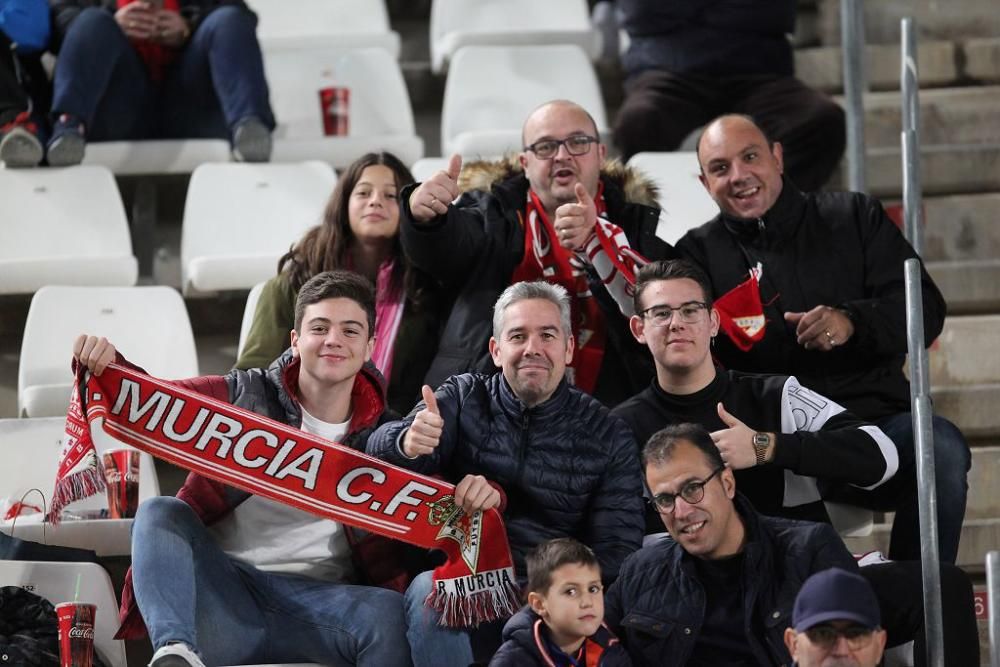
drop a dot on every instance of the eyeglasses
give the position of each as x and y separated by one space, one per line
546 149
826 636
660 316
692 493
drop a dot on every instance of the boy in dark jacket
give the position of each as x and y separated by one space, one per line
564 626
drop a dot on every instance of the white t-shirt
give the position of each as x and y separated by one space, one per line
277 538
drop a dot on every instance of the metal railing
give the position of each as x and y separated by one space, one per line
993 604
852 46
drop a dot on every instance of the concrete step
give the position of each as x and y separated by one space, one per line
964 115
969 287
978 537
962 227
982 59
934 19
972 407
983 501
945 169
967 351
823 67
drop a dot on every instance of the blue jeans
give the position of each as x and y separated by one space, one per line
952 460
216 81
188 590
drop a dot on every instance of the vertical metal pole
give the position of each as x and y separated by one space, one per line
910 138
993 591
852 45
923 433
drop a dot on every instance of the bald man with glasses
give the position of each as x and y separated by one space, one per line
557 212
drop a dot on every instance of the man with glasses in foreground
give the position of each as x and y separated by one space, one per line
786 444
557 212
720 592
836 622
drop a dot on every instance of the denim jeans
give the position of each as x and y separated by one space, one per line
952 460
216 81
232 613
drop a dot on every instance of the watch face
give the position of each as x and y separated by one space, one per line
760 440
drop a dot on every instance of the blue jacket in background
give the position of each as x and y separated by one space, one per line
26 23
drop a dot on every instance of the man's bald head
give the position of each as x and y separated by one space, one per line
556 107
740 166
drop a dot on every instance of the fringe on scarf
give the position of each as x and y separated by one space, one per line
459 606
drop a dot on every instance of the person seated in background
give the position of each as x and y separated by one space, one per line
157 69
688 62
550 457
836 620
360 232
25 92
560 214
564 622
223 577
787 445
720 589
811 285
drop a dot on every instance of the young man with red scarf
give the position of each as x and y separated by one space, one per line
223 577
558 214
157 69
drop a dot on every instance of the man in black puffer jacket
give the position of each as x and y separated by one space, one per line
568 468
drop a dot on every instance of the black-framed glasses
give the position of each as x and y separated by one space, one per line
693 493
546 149
690 312
826 637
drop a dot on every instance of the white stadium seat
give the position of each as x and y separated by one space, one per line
458 23
62 226
240 218
426 167
31 450
248 312
378 112
64 582
490 91
149 325
156 156
308 23
684 202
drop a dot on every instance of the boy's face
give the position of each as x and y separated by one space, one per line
333 342
573 607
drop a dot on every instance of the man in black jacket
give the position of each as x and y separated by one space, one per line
811 285
720 590
568 467
688 62
556 214
787 445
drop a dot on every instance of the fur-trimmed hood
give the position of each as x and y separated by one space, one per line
484 174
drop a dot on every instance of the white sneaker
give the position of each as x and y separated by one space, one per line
176 655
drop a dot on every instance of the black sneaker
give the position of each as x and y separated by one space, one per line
67 144
251 141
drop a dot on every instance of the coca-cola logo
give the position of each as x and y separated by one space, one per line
78 632
115 477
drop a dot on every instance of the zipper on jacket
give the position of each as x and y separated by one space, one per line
524 446
761 227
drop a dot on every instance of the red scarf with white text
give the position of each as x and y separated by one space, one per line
281 463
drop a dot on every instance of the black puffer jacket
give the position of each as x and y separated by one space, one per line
28 630
524 645
474 249
836 249
568 468
657 605
722 37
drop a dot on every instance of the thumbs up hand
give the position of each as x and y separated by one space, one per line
735 442
575 221
432 197
424 433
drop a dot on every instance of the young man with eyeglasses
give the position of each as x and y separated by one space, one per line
558 213
786 444
836 622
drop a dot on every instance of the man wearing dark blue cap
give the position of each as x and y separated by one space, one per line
836 622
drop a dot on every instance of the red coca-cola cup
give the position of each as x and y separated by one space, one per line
334 104
76 633
121 475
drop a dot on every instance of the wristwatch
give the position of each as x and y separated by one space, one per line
761 443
